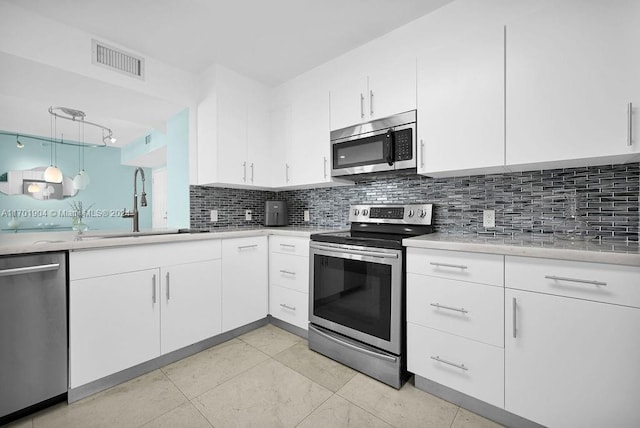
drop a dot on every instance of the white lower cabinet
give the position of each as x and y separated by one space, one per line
571 362
289 280
140 303
191 303
114 323
468 366
244 281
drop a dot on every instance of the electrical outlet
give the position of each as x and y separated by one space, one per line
306 215
489 218
247 215
214 215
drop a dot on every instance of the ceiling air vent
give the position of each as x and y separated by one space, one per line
118 60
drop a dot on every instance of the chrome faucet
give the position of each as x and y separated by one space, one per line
143 200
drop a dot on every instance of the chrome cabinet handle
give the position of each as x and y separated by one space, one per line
287 272
286 172
291 308
582 281
422 153
447 265
252 172
630 124
325 167
440 360
153 289
244 176
371 102
29 269
168 287
514 308
361 106
438 305
288 245
242 247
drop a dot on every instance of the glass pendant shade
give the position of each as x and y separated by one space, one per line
81 180
53 174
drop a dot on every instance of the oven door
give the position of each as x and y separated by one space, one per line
357 291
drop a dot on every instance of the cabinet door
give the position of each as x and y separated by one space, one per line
348 101
244 281
232 139
258 156
572 363
281 142
310 148
114 324
391 88
461 104
191 303
572 69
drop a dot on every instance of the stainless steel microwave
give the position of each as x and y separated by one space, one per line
386 144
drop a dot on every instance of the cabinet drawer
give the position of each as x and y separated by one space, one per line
289 271
289 305
465 365
289 245
472 267
465 309
591 281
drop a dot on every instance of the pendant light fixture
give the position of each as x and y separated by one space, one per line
19 143
81 180
53 174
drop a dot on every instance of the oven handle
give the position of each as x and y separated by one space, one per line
354 347
340 249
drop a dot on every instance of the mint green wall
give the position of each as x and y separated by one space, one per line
110 189
178 170
139 147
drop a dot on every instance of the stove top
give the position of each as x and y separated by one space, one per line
382 226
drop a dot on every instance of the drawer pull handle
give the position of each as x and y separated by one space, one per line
287 272
448 265
440 360
583 281
291 308
243 247
439 306
288 245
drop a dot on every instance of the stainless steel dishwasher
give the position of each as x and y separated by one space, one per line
33 332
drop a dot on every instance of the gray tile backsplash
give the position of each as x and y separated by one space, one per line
598 201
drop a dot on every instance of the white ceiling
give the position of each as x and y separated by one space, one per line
268 40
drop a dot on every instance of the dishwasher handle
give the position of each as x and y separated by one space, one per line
29 269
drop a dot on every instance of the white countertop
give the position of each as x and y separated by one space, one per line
22 243
529 246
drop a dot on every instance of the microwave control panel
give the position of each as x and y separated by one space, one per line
403 144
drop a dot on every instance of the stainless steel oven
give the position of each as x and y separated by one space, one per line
356 298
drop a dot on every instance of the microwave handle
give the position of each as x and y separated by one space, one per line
390 145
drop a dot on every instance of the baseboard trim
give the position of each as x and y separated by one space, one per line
474 405
294 329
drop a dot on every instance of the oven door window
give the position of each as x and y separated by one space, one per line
353 293
364 151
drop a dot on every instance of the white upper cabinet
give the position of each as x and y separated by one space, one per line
572 70
233 131
388 88
461 104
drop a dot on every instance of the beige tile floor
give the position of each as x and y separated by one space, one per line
265 378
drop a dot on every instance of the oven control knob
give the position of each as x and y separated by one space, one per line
410 213
356 212
365 212
423 213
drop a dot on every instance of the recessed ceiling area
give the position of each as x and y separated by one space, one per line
270 41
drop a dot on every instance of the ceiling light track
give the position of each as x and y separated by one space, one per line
78 115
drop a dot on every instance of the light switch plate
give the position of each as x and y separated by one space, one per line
214 215
306 215
489 218
247 215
